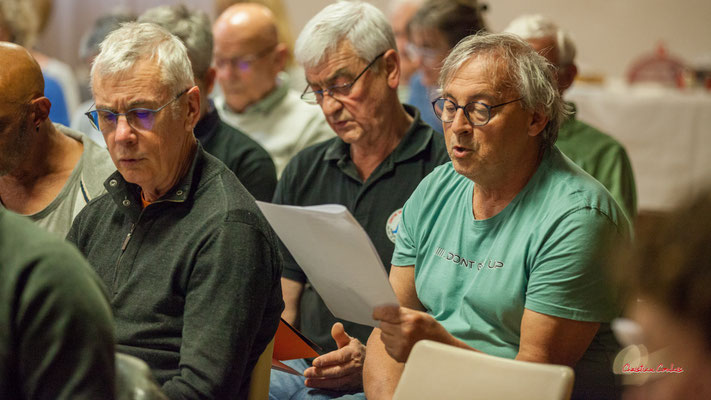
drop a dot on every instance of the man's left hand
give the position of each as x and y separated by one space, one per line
402 327
340 369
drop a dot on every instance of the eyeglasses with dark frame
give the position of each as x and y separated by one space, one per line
477 113
245 62
337 91
141 119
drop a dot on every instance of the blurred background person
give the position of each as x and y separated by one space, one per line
598 153
19 24
47 171
400 13
88 49
242 155
293 74
434 30
669 271
248 57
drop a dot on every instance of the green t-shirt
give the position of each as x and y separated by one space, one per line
56 329
601 156
542 252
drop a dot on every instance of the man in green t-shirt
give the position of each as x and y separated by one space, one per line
499 251
599 154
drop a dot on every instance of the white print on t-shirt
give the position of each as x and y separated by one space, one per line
466 263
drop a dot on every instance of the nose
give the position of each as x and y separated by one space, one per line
460 125
124 132
330 105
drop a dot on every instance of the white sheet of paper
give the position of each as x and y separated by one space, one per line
337 256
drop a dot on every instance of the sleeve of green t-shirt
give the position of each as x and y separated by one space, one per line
567 277
405 252
614 170
65 332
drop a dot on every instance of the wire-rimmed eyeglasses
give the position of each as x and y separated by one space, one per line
336 91
141 119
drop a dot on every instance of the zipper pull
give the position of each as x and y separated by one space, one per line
128 238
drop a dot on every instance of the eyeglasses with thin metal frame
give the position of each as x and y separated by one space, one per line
141 119
477 113
243 63
337 91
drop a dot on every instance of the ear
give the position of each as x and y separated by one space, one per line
566 76
391 59
537 124
209 80
280 57
40 110
193 115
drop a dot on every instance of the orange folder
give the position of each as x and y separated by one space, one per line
290 344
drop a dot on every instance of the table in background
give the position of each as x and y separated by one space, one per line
667 134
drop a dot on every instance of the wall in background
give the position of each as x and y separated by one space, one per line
609 33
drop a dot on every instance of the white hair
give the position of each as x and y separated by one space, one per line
536 26
514 65
138 41
363 25
192 27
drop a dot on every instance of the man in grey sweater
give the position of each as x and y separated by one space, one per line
191 265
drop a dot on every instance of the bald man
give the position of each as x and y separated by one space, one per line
47 171
249 59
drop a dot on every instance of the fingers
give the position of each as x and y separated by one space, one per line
353 352
388 313
339 335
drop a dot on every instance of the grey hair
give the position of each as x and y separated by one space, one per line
455 19
21 20
394 5
138 41
192 27
513 65
536 26
363 25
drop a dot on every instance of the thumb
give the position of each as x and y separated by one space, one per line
339 335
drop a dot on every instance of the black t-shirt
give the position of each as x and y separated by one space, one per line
242 155
325 174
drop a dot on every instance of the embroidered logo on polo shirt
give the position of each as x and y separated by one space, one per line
465 262
393 224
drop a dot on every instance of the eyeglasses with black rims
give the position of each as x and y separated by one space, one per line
141 119
477 113
337 91
242 63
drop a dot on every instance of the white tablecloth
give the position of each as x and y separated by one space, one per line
667 134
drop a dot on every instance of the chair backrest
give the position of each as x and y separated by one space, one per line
259 382
438 371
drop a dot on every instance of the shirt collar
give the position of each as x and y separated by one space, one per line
127 196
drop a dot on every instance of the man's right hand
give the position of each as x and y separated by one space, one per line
340 369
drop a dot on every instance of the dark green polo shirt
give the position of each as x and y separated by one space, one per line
325 174
242 155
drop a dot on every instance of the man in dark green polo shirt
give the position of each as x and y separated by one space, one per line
382 151
242 155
